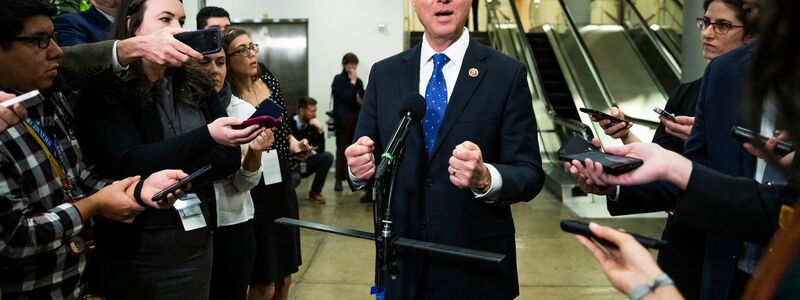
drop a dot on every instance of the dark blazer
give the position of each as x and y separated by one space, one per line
344 96
492 110
81 27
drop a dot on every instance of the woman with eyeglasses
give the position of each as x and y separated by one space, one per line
234 239
724 27
277 246
154 118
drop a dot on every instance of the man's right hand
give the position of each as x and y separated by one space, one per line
112 202
160 48
360 159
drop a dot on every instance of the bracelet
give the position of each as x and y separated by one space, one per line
137 193
646 288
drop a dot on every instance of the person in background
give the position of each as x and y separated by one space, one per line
234 239
48 194
306 126
86 26
212 16
347 91
155 117
277 246
684 258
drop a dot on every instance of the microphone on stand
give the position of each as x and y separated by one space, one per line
411 112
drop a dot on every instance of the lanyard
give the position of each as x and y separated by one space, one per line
49 147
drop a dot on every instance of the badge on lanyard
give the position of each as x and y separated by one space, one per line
271 167
190 212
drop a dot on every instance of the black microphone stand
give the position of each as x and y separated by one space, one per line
385 264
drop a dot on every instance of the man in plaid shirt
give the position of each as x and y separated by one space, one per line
47 194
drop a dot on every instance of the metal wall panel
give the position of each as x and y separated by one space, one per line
283 45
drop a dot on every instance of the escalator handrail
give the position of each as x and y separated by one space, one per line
657 42
533 68
585 53
678 3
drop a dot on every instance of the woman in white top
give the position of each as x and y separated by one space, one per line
234 239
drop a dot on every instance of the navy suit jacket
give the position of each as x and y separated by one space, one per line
494 111
81 27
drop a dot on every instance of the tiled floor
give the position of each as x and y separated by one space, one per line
551 264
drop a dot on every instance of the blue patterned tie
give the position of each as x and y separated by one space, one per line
436 98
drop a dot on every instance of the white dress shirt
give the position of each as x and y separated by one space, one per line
234 203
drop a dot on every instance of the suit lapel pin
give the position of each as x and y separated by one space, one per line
473 72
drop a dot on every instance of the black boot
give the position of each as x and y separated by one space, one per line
337 186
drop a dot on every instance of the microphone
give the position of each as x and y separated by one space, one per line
411 112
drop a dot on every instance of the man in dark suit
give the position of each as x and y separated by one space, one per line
86 26
475 154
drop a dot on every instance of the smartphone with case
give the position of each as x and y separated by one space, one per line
582 228
28 99
180 184
664 114
268 114
206 41
577 148
603 116
745 135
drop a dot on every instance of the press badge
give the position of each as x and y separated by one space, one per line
191 213
271 166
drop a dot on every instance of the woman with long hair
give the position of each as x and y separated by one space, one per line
153 118
277 246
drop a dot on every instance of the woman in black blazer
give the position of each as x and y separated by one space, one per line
151 119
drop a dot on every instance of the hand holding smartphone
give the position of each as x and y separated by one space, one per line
576 148
582 228
745 135
664 114
180 184
601 115
268 114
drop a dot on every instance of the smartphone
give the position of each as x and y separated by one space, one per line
577 148
745 135
180 184
28 99
582 228
603 116
304 152
263 121
269 109
664 114
206 41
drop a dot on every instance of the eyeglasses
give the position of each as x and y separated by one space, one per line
245 51
719 27
41 40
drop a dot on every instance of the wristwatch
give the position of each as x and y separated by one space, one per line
646 288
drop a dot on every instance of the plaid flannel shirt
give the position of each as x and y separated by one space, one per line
36 221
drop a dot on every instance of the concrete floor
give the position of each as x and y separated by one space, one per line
551 264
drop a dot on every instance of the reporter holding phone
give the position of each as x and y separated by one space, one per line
48 193
277 246
234 239
152 118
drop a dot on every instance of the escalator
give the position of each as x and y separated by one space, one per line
554 85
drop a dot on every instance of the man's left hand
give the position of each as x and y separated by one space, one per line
467 169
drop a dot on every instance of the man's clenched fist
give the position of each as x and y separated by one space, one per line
360 159
467 169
